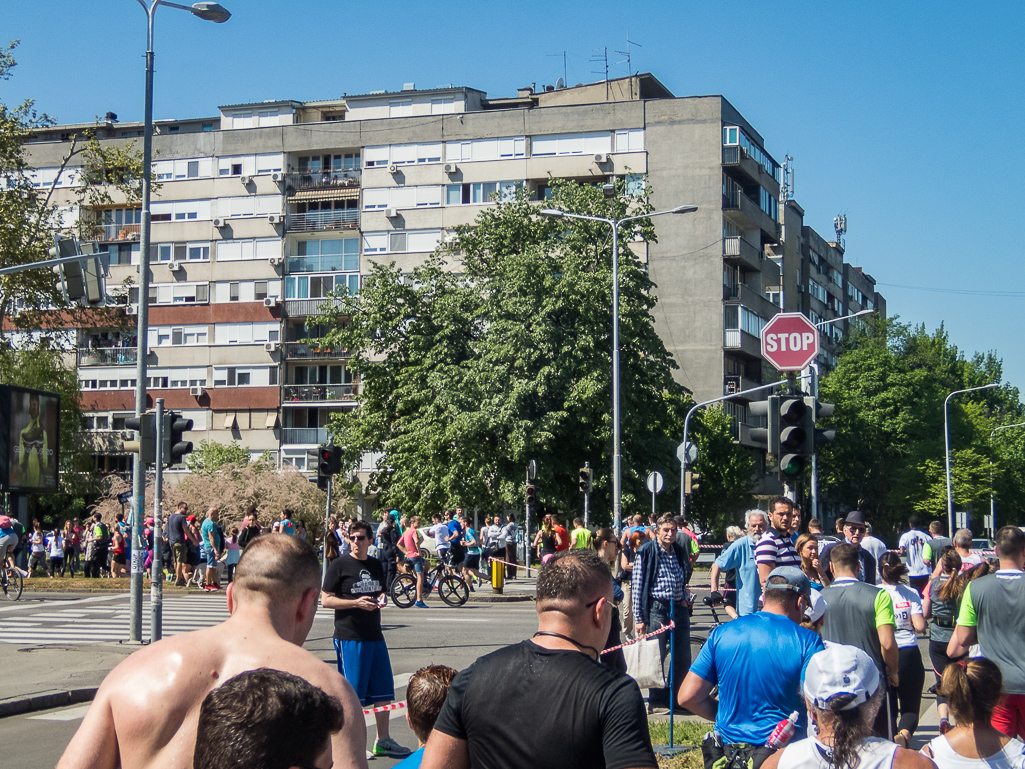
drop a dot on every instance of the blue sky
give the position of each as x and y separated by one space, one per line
896 114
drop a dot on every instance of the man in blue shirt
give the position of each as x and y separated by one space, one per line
757 661
740 557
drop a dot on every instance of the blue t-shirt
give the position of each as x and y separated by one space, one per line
740 555
412 761
469 536
208 528
758 661
455 528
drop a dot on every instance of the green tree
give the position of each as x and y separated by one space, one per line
497 350
211 456
725 470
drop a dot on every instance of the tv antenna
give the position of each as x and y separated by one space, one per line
602 58
565 75
840 225
786 191
627 53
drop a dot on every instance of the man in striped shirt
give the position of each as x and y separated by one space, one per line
775 548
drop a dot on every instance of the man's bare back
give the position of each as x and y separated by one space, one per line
146 712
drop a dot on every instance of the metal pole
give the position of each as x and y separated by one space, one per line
946 446
156 581
142 327
617 458
587 501
686 427
815 455
526 527
327 515
672 659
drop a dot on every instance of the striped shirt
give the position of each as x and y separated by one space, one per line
775 550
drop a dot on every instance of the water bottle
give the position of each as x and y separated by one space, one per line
783 732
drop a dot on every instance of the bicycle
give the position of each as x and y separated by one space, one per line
697 641
452 589
11 580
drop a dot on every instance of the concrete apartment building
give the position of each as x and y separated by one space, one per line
267 207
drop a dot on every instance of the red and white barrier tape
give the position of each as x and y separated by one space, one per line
662 629
383 708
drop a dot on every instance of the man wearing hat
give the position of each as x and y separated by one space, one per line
854 530
757 661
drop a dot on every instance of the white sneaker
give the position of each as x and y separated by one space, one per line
370 756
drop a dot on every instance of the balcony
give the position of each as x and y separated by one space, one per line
300 394
310 351
107 356
742 343
316 221
304 435
737 251
110 233
336 185
745 211
310 308
733 384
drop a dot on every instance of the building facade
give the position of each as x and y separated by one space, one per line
267 208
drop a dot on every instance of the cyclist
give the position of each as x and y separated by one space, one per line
8 540
439 531
409 546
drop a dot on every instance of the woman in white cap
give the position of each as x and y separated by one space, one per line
843 693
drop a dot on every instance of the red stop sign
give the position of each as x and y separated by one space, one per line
790 341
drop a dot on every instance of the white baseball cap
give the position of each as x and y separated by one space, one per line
838 670
816 606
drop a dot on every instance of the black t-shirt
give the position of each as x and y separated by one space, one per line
349 578
557 709
175 528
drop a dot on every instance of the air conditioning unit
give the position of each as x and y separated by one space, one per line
132 309
246 180
272 346
393 169
270 301
451 168
277 176
196 392
175 265
276 218
601 158
220 223
391 213
275 261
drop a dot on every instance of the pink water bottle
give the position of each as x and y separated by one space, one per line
783 732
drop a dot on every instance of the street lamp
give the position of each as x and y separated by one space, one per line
617 481
992 498
208 12
946 445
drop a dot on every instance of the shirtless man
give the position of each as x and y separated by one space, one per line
146 712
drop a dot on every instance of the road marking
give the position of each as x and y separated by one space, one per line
72 602
71 714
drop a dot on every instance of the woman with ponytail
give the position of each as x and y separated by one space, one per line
843 692
907 608
973 688
939 606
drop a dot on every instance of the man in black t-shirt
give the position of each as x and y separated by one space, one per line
354 587
177 543
559 707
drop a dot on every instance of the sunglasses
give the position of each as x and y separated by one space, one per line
595 602
857 529
356 538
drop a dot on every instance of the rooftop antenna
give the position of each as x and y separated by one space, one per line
787 190
840 225
627 53
565 75
602 58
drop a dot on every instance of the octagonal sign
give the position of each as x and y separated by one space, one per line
790 341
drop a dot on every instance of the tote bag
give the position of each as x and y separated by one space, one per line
644 663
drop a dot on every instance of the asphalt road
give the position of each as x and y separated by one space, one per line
61 625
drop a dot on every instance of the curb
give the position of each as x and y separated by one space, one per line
493 598
45 701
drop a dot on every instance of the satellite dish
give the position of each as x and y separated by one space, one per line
560 84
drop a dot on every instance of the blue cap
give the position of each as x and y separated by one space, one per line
796 580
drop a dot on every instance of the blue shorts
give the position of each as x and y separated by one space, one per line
417 564
207 555
366 665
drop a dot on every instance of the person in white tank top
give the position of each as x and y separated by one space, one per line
843 692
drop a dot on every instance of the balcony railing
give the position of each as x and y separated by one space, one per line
110 233
336 219
308 351
731 337
322 180
318 263
107 356
320 393
310 435
305 308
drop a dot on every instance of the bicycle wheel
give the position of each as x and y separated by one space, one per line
14 585
453 590
403 591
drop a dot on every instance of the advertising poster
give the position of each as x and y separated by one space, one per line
33 429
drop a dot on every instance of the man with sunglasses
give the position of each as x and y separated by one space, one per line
564 710
355 588
854 530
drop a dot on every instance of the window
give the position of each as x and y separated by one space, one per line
246 333
630 140
260 290
316 163
233 291
248 205
196 168
400 108
269 162
775 295
571 144
377 198
245 376
818 291
733 136
181 210
480 192
199 252
208 126
320 286
325 255
245 290
401 241
175 293
171 336
486 149
443 105
248 249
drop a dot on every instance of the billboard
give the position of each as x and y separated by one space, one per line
29 439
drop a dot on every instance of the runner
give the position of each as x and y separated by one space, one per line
912 544
906 697
580 538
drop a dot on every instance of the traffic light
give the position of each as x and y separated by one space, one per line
531 495
82 280
817 410
146 445
690 482
329 462
793 414
175 447
768 436
584 475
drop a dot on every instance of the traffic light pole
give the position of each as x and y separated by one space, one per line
814 369
156 580
327 516
686 427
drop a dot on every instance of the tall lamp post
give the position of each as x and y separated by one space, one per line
617 481
946 446
992 498
208 12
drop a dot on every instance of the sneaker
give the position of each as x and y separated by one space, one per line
370 756
388 747
421 605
